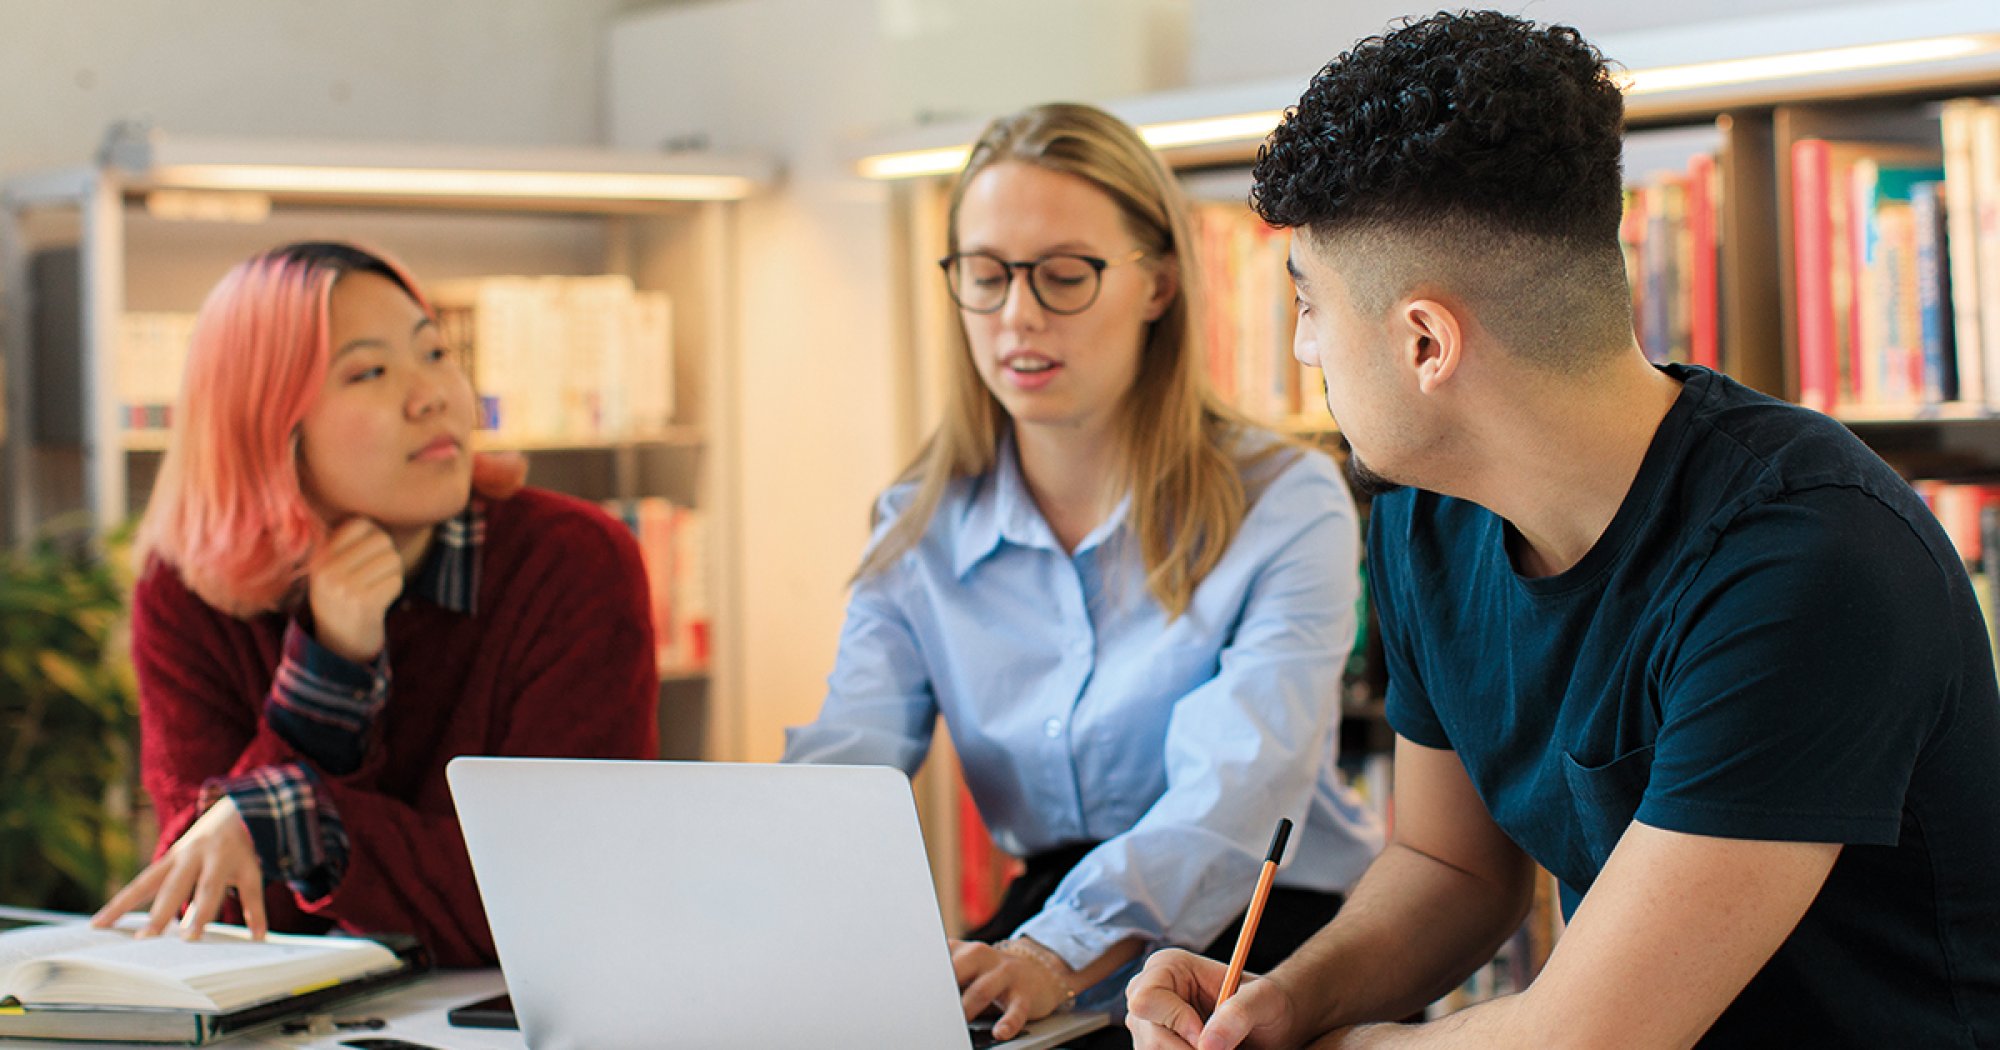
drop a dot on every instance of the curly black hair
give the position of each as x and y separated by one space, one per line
1475 115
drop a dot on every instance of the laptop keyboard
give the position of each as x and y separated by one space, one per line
982 1033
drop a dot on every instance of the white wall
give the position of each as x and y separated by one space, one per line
481 71
1266 39
805 80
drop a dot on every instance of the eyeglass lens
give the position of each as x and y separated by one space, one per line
1061 283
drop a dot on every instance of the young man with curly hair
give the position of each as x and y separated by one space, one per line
1696 651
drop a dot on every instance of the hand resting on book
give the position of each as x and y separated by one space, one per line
223 970
213 858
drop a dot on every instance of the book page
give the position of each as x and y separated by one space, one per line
76 964
188 962
35 942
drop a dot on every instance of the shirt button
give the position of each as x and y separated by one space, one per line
1052 728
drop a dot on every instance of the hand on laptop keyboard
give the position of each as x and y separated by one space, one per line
982 1033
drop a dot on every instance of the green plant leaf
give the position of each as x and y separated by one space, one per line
66 685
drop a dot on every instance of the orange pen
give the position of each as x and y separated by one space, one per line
1242 953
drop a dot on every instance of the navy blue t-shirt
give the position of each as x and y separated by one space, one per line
1773 639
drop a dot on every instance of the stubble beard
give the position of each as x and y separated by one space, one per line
1365 482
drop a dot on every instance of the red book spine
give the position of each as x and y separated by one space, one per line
1704 329
978 885
1812 252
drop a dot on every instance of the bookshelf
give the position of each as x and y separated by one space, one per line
151 227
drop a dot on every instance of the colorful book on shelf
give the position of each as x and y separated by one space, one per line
1814 240
1837 190
563 359
1886 350
1663 326
147 364
1978 382
1671 238
673 545
1935 327
66 980
1704 268
1961 508
983 870
1983 152
1988 577
1251 313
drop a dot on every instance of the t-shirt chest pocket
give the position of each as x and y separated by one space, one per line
1606 797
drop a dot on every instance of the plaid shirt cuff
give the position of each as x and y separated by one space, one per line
300 840
323 704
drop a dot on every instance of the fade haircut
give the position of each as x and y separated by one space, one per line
1472 151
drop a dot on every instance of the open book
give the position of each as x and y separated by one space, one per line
66 980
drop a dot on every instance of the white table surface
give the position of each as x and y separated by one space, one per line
414 1012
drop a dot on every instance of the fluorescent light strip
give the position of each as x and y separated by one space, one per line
177 205
470 182
1252 127
1246 127
1804 63
914 163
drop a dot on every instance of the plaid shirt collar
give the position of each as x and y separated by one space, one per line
450 573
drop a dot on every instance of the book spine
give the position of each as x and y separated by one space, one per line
1705 346
1985 156
1933 293
1867 327
1812 252
1962 221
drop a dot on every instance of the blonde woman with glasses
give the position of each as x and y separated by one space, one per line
1130 605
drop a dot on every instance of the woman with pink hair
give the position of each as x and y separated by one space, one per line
336 597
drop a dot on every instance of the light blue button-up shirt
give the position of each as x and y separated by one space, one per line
1081 713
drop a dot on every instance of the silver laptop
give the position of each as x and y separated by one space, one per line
713 905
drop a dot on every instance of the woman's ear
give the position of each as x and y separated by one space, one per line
498 475
1166 285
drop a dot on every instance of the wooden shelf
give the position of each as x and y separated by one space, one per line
682 673
1903 415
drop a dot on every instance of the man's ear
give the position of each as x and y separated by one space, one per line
1433 340
1166 285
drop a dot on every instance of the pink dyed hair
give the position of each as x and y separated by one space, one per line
228 509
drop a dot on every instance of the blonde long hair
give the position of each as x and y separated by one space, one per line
1187 491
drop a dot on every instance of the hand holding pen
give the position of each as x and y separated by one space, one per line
1177 1001
1264 877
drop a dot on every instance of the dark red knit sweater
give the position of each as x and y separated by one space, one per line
558 660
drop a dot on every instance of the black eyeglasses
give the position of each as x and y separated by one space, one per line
1064 283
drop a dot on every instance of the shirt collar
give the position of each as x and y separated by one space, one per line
1001 508
450 573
